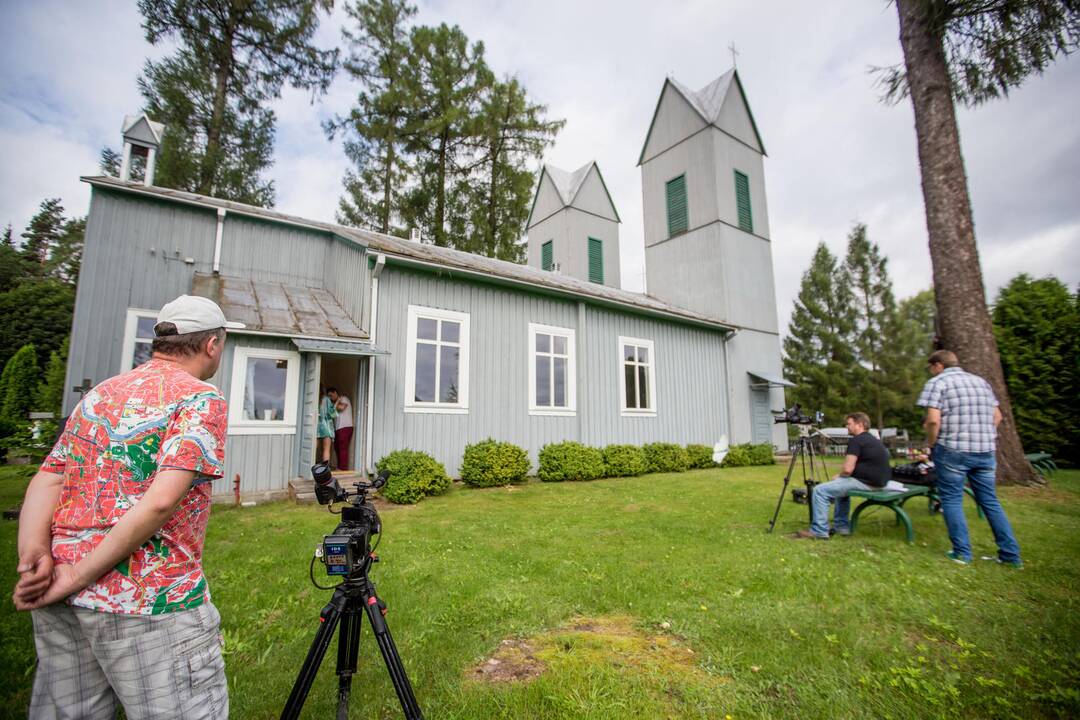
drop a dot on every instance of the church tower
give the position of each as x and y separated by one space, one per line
707 242
573 226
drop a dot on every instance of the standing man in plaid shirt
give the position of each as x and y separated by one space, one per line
962 417
111 537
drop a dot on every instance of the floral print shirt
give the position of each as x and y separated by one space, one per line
154 417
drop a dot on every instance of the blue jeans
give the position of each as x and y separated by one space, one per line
837 490
953 470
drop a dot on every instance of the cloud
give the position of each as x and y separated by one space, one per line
837 155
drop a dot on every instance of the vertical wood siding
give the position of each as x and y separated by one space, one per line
689 373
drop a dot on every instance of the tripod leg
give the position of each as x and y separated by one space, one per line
783 490
328 621
375 611
348 650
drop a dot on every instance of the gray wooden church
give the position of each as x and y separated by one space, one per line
439 348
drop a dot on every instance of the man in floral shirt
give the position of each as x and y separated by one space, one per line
111 537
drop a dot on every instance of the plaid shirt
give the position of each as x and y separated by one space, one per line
967 405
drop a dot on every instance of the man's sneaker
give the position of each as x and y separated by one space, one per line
806 535
957 558
842 531
1017 563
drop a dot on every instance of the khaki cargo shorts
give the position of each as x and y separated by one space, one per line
156 666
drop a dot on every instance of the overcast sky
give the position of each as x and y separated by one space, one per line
836 154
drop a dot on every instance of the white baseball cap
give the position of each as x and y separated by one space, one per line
191 313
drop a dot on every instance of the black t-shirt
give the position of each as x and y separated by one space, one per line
872 464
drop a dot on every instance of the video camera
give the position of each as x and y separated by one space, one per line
348 549
795 416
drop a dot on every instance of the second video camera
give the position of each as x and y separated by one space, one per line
795 416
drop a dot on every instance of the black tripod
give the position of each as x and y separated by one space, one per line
805 455
351 598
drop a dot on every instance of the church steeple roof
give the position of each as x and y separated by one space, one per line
568 186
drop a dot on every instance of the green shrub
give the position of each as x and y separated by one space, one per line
413 475
738 456
624 461
761 454
570 461
700 456
666 457
491 463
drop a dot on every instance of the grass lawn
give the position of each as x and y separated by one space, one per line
654 597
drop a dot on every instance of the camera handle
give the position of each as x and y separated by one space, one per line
345 612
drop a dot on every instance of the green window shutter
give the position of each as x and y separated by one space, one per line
676 206
596 261
545 255
742 202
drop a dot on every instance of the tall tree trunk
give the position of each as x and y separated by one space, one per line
388 175
211 158
958 286
440 197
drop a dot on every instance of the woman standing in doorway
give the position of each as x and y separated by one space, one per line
325 432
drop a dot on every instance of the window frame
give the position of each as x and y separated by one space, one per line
667 205
651 375
570 410
412 405
749 202
131 325
287 425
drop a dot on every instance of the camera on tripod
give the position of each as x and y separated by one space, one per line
347 549
795 416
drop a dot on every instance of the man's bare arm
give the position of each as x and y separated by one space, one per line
35 535
136 527
997 417
849 465
932 425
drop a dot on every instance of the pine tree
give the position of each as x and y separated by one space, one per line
513 133
66 257
233 58
819 349
376 126
18 385
109 162
875 317
39 311
910 342
971 51
50 392
1037 325
445 89
7 239
43 232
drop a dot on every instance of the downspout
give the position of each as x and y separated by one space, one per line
729 389
380 263
217 239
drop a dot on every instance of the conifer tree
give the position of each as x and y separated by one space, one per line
212 93
43 232
66 258
375 128
910 341
971 51
875 318
50 391
1037 325
18 385
819 349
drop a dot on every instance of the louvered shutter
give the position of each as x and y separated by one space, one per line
676 206
742 202
545 255
596 261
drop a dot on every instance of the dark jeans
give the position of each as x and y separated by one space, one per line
953 470
342 442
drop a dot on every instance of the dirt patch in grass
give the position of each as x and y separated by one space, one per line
616 642
1046 494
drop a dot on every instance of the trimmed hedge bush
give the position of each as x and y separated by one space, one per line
570 461
749 454
700 456
666 457
491 463
413 476
624 461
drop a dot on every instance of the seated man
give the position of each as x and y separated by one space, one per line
866 467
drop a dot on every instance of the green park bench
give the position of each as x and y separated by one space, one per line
1042 462
895 502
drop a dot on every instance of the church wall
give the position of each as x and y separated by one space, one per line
750 351
731 155
735 118
570 231
694 157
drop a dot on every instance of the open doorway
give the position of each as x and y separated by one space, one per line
342 373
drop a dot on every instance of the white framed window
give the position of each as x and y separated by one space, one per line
138 338
437 361
263 392
552 371
637 376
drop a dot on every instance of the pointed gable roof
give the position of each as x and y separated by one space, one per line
142 128
568 186
707 103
